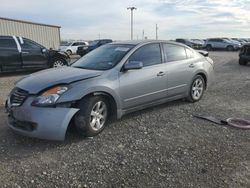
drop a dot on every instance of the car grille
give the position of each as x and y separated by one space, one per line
18 96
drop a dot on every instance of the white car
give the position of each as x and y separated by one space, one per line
72 48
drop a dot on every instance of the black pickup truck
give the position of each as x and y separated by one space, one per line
18 53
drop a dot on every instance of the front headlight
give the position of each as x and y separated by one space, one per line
50 96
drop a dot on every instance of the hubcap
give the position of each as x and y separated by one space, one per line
197 89
98 115
58 63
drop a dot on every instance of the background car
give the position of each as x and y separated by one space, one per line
220 43
72 47
191 43
109 82
244 55
18 53
82 50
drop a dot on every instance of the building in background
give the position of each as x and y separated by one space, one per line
44 34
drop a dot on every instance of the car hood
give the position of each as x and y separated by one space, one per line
36 82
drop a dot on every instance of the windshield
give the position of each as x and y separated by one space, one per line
103 58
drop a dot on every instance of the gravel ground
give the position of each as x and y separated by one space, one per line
162 146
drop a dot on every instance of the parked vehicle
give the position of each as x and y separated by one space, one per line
190 43
244 55
233 41
18 53
82 50
242 41
111 81
72 47
200 42
220 43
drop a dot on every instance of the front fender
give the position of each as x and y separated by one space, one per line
84 88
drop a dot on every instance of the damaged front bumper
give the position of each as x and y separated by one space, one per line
40 122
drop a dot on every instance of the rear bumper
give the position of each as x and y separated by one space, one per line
40 122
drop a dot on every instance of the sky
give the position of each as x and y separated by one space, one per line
91 19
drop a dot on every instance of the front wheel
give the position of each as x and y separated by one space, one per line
230 48
197 89
59 63
92 117
209 48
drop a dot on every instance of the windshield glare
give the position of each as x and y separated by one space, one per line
103 58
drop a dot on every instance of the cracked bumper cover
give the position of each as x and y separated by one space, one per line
40 122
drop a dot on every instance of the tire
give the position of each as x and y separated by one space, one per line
230 48
69 52
209 48
57 63
198 85
93 109
242 62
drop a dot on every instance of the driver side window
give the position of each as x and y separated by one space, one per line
149 54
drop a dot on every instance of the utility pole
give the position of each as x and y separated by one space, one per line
156 31
132 10
143 35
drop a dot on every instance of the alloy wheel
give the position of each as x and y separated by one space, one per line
98 116
197 89
58 64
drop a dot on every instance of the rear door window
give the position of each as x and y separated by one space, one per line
174 52
8 43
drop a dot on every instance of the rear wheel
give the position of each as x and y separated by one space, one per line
93 116
242 62
197 89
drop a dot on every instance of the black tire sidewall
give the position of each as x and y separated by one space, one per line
190 97
82 117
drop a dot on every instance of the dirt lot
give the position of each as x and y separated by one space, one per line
162 146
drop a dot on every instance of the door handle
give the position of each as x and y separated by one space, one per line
25 52
191 65
161 74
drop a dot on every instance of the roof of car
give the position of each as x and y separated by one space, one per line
137 42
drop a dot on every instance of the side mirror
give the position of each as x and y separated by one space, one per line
204 53
132 65
44 50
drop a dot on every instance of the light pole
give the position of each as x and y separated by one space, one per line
156 31
132 9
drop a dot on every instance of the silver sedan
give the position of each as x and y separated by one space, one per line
113 80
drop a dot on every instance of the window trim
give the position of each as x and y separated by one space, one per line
187 53
159 43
